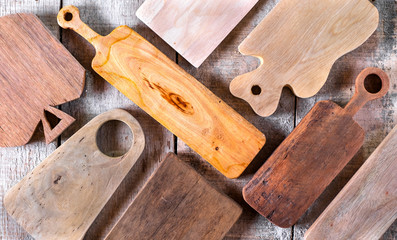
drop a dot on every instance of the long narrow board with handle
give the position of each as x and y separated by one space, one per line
37 73
367 205
193 28
177 203
171 96
314 153
297 43
63 195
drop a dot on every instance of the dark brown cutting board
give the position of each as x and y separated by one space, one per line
177 203
36 73
311 156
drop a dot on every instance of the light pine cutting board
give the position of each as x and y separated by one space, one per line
367 205
193 28
177 203
171 96
297 44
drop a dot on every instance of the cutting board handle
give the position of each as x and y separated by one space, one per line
69 18
362 95
52 133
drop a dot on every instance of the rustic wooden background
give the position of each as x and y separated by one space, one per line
377 118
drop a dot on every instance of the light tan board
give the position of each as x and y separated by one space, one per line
177 203
63 195
16 162
297 44
368 202
193 28
37 73
377 118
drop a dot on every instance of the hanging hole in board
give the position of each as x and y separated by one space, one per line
373 83
52 119
114 138
68 16
256 90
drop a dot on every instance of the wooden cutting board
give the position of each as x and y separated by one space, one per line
62 196
368 202
171 96
37 72
297 44
193 28
177 203
309 159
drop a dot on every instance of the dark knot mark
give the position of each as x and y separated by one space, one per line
57 179
174 99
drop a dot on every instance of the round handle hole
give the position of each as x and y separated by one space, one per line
256 90
68 16
373 83
114 138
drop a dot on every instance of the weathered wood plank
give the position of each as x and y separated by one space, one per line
224 64
377 117
100 96
16 162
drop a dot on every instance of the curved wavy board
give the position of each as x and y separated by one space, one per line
171 96
177 203
193 28
368 202
311 157
36 72
62 196
297 44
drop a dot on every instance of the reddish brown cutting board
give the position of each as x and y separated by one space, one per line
177 203
36 73
63 195
310 157
367 205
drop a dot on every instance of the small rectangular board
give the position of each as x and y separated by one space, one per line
177 203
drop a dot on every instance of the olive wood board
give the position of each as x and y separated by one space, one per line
368 202
171 96
62 196
193 28
313 154
37 73
177 203
297 44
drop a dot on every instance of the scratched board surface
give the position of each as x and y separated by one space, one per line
377 118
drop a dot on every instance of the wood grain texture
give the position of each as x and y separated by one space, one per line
37 73
368 202
377 117
177 203
171 96
297 44
63 195
193 28
311 156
